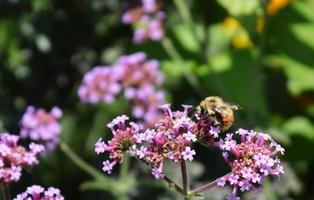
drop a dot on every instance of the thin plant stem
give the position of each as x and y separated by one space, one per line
80 162
170 49
6 192
171 183
205 187
187 18
123 175
124 167
184 11
185 180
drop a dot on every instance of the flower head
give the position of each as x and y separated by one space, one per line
251 160
37 192
146 19
171 139
99 85
134 76
139 78
41 126
13 157
122 141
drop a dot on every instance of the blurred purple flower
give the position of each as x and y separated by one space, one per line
37 192
147 21
13 157
99 85
41 126
133 74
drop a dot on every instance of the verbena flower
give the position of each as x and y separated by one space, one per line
99 85
41 126
146 19
122 141
251 160
37 192
135 76
135 70
170 140
207 132
14 157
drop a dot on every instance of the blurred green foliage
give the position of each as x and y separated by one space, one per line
258 58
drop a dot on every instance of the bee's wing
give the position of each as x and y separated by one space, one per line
235 106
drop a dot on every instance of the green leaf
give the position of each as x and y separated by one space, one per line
218 40
300 76
304 32
221 62
310 110
186 38
301 126
304 9
175 69
240 7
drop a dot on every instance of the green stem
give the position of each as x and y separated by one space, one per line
80 162
124 167
171 183
123 176
184 11
185 180
205 187
170 49
6 192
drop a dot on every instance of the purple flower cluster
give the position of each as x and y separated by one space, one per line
14 157
251 160
171 139
207 132
37 192
99 84
41 126
133 75
122 141
147 21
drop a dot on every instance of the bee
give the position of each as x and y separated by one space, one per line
220 111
